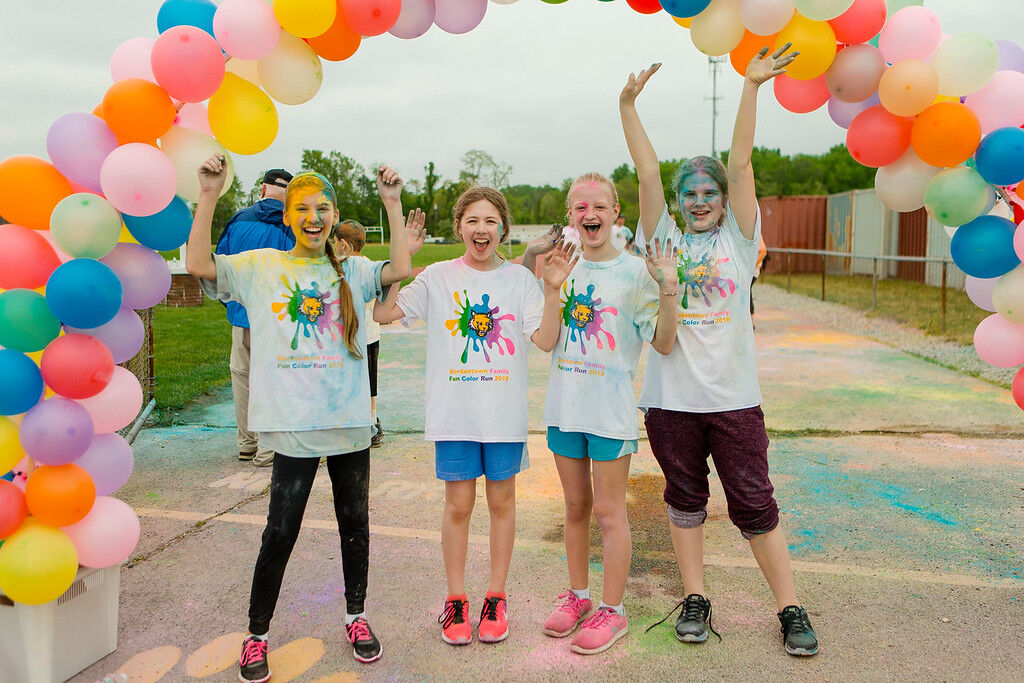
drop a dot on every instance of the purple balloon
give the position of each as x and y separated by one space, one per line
417 16
1011 56
123 335
109 461
144 275
459 16
843 113
56 431
78 144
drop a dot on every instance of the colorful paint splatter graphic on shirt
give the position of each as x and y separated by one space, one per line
700 271
481 326
314 312
585 318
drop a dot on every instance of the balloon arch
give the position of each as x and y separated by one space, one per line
938 115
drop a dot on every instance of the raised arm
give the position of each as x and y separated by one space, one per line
652 192
198 257
541 245
661 264
388 311
742 196
389 185
558 264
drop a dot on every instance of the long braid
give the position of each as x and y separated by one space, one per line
349 319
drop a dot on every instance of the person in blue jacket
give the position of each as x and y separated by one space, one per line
259 226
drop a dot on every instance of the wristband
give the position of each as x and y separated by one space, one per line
673 294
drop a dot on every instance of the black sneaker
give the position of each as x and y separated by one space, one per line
252 665
694 620
378 435
365 646
801 640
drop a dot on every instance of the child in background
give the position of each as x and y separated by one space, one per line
479 310
305 304
612 304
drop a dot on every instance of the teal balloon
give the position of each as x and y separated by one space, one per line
21 383
26 323
84 293
984 247
165 230
685 8
1000 156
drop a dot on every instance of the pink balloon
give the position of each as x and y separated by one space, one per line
138 179
107 535
1018 242
860 23
459 16
109 461
246 29
855 73
194 115
912 33
1000 104
116 406
417 16
1000 342
188 63
801 97
131 59
124 335
77 145
979 291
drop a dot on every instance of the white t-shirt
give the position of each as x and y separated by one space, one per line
713 366
478 327
301 375
619 237
609 309
372 326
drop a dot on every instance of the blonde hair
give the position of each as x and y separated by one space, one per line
589 178
308 180
488 194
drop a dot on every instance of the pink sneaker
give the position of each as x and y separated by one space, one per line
569 613
599 632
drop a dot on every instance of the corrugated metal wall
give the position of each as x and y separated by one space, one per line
913 241
794 223
871 225
839 231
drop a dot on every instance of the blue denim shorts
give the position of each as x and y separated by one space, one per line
461 460
579 445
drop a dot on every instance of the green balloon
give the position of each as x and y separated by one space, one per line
894 6
85 226
26 323
956 196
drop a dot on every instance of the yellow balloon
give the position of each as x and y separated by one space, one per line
11 451
127 236
945 98
305 18
816 42
37 563
682 21
242 117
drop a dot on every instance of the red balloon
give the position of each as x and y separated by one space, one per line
859 24
26 258
77 365
801 97
12 508
877 138
370 17
645 6
1017 388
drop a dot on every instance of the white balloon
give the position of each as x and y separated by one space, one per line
979 290
901 184
766 17
822 10
292 73
188 149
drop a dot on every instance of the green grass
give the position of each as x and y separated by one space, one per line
191 347
432 253
910 303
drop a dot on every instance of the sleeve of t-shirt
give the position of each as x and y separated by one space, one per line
748 248
665 230
645 307
365 275
533 304
234 277
414 297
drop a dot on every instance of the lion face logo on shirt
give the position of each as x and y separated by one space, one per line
481 321
582 313
312 307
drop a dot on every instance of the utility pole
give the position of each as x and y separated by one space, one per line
713 65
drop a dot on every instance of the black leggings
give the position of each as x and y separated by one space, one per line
290 485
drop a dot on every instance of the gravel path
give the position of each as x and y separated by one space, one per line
885 330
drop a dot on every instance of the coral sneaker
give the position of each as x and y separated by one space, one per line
567 616
454 620
493 626
599 632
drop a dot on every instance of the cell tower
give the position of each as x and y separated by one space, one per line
713 66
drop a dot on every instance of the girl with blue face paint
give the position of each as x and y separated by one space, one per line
703 398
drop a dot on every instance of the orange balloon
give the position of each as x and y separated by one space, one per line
749 46
138 110
683 21
338 43
946 134
29 189
1020 190
60 495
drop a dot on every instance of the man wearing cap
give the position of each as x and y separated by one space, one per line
259 226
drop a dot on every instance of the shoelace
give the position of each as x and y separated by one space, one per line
452 613
254 650
692 611
596 619
795 620
490 610
358 630
571 603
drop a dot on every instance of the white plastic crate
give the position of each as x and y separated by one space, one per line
53 642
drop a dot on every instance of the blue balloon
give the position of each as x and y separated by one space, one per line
165 230
84 293
984 247
21 384
1000 156
198 13
685 8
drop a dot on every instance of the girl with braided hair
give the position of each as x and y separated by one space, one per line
310 393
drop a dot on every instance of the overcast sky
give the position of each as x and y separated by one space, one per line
535 85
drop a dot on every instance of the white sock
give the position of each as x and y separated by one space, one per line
263 637
583 594
618 609
350 618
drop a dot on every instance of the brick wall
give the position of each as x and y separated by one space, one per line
185 291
